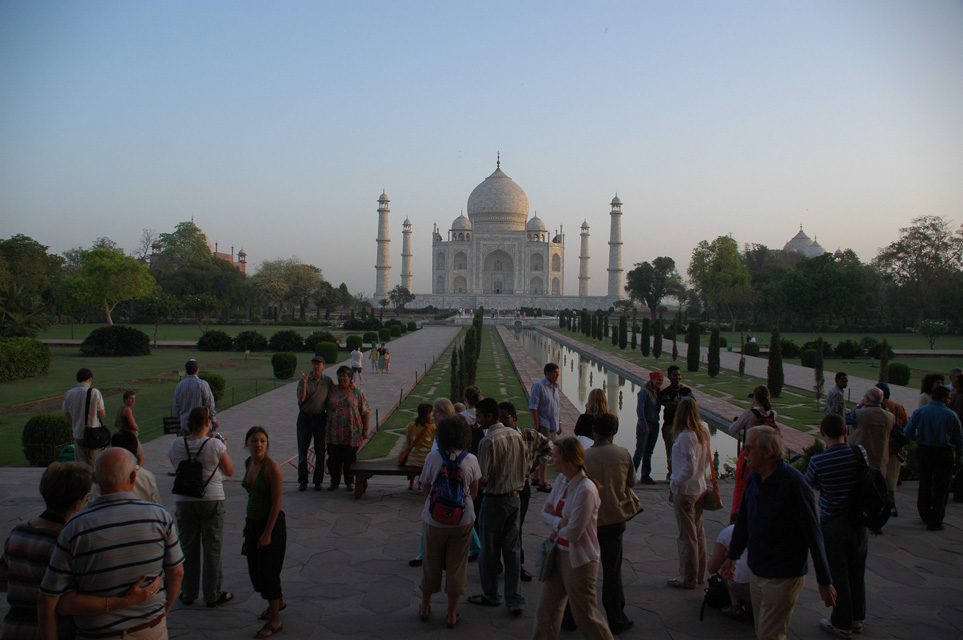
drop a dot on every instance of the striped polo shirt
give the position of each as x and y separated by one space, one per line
105 549
833 472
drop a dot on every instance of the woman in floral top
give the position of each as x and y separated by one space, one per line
347 430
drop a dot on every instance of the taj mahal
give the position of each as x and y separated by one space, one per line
498 257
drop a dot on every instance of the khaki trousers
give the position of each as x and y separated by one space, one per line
773 601
692 538
575 585
446 549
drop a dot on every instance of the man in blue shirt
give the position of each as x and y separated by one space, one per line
545 404
939 438
834 473
777 523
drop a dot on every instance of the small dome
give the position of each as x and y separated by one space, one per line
584 225
799 243
535 224
616 200
241 253
461 223
383 198
406 223
814 250
839 255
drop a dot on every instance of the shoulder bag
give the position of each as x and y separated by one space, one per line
403 458
96 436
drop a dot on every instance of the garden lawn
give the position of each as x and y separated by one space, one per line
153 377
896 340
495 377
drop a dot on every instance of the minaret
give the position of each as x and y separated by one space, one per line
583 262
383 265
615 250
406 255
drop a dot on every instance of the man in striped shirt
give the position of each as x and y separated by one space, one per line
834 474
118 564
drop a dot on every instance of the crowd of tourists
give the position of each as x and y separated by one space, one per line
477 468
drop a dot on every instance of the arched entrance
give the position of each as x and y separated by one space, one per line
498 273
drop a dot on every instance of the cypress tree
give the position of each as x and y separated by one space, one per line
714 352
471 357
884 361
635 341
455 378
605 327
774 373
742 357
646 343
818 380
657 338
693 351
623 332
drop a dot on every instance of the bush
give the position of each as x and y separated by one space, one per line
43 437
789 349
867 343
827 348
899 373
286 340
328 351
250 341
353 342
876 351
215 340
723 343
23 358
412 325
750 349
803 463
384 334
115 341
808 358
216 382
357 324
395 331
847 349
369 337
311 342
284 364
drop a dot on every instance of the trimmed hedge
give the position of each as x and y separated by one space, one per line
115 341
216 382
395 330
357 324
827 348
311 342
750 349
384 334
286 340
250 341
353 342
789 348
43 436
412 325
284 364
328 351
808 358
899 373
847 349
23 358
369 337
215 340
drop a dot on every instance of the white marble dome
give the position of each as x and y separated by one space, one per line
535 224
799 243
498 204
814 250
461 223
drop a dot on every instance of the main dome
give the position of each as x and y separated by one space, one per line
498 204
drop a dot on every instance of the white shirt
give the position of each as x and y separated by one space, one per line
741 572
582 511
690 458
210 458
356 358
74 402
470 472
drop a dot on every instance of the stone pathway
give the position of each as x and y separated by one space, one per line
346 574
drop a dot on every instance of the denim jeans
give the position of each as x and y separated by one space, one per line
644 446
200 524
499 517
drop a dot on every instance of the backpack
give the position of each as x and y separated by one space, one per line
189 476
717 595
446 499
870 497
764 420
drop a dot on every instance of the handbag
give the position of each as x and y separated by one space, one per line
403 458
98 436
545 558
711 500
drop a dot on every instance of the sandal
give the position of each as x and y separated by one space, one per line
679 584
267 612
424 613
267 631
544 488
452 625
224 598
483 601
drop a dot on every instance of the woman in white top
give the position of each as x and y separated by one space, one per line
571 514
446 544
687 486
200 521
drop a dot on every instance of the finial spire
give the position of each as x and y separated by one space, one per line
498 162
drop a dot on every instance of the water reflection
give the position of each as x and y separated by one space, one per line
581 374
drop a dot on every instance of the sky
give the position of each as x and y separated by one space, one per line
276 126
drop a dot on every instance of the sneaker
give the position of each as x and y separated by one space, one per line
859 626
826 625
303 486
646 480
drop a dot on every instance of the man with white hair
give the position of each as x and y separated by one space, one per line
136 587
778 525
873 426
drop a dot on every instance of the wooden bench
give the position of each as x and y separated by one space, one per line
363 470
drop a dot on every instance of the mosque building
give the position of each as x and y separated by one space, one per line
802 245
499 258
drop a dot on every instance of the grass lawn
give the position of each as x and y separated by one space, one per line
863 368
896 340
153 377
496 378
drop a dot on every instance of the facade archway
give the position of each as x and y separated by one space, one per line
440 261
556 262
460 285
440 284
498 273
538 262
460 261
536 286
556 287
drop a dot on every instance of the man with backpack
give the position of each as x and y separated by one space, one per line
835 473
501 456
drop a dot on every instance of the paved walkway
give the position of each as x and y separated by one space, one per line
346 576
